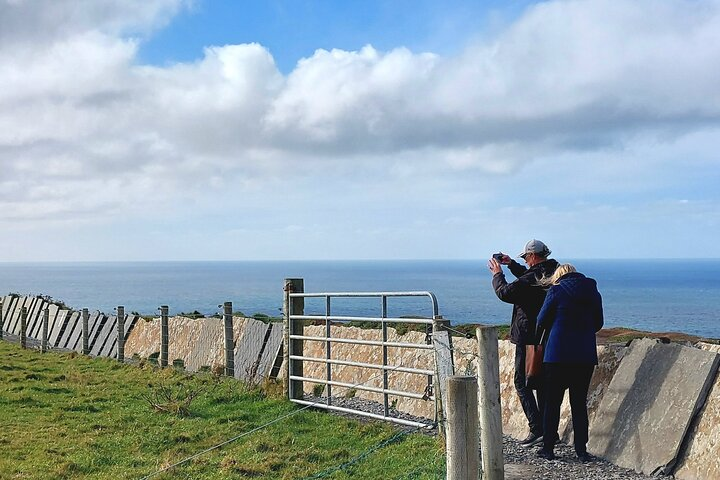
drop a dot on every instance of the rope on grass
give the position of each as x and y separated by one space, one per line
215 447
394 439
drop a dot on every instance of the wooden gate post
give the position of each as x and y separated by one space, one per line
23 327
462 428
229 341
491 441
85 331
164 335
293 306
444 365
121 333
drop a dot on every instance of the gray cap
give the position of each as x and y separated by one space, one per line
535 246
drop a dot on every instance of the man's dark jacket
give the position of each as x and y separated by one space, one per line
526 295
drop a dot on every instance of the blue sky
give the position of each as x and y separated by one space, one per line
292 30
224 130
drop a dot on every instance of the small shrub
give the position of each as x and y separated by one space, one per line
350 393
318 389
174 398
179 363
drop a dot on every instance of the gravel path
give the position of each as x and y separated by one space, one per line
520 463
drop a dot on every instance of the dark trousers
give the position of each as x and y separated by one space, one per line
531 407
558 378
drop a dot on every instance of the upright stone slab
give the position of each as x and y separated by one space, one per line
248 349
103 334
34 320
15 324
59 327
271 351
52 317
643 417
97 322
8 308
73 320
110 348
75 337
700 459
37 318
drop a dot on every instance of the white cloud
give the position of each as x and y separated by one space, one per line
85 131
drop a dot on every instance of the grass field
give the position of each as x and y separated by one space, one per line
68 416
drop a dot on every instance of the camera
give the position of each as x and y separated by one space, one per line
498 256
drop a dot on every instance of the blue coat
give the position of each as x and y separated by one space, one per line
573 313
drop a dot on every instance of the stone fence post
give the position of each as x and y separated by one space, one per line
85 331
293 306
121 333
164 335
44 335
23 327
229 342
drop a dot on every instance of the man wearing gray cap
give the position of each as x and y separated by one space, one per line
527 297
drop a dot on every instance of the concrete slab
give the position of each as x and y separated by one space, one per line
102 336
700 457
15 322
52 315
271 351
76 334
72 321
109 349
59 327
643 417
96 322
609 357
130 323
39 314
9 302
248 348
33 317
144 339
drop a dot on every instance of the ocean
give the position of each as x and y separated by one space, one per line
652 295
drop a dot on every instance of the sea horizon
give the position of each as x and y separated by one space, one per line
655 295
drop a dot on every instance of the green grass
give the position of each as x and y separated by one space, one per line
67 416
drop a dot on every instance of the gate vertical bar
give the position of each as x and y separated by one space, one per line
294 306
386 403
328 349
2 321
229 343
164 336
85 331
120 333
44 335
23 327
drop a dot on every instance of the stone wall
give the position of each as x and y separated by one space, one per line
652 407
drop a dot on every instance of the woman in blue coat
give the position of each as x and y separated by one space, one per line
569 318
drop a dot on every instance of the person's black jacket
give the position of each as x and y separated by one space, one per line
526 295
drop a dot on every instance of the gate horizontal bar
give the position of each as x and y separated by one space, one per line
430 295
424 321
417 396
363 342
364 365
367 414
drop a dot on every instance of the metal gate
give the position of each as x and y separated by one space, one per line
295 357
